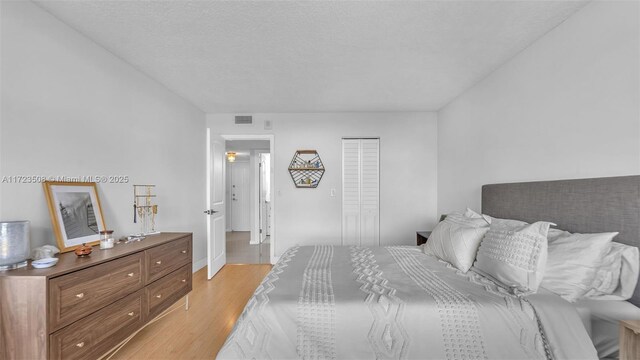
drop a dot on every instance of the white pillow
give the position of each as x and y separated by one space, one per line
456 239
510 222
472 214
607 276
617 277
514 254
573 262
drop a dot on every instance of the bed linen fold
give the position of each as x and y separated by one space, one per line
347 302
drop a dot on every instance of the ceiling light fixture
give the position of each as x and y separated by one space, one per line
231 156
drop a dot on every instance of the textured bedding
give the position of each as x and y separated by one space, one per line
396 302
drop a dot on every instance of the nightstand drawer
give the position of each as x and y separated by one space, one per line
422 236
166 258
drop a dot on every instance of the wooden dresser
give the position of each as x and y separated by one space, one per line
83 307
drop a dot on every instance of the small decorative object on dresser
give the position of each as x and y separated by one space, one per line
629 339
75 212
83 308
144 211
44 252
421 237
83 250
106 239
44 263
14 242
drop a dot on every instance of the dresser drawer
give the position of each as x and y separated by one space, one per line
166 258
99 332
78 294
166 291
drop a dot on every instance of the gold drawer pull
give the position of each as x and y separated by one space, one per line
131 313
80 344
159 296
80 296
184 251
158 262
130 274
184 280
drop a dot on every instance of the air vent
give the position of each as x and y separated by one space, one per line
244 120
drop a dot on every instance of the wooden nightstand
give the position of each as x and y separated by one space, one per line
422 236
629 339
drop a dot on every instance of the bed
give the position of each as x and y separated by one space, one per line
395 302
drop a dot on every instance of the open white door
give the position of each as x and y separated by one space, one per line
216 236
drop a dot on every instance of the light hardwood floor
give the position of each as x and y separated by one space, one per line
200 332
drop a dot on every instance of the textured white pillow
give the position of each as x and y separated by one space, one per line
607 276
456 239
514 254
472 214
509 222
617 277
573 262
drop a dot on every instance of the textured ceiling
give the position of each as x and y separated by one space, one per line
245 57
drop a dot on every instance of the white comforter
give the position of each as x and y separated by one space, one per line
396 302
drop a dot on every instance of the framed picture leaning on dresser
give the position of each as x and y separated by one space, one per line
76 214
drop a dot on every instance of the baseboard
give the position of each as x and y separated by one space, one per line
199 264
275 259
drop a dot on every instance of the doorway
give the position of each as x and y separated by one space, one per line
218 202
248 198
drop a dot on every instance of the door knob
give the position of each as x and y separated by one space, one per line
210 212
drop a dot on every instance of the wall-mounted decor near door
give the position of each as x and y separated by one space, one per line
306 169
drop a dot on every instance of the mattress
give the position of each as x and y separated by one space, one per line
344 302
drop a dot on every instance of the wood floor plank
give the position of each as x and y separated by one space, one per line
199 333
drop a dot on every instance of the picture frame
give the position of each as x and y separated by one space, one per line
76 213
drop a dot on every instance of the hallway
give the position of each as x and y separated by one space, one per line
239 251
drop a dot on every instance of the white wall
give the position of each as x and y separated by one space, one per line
566 107
71 108
408 164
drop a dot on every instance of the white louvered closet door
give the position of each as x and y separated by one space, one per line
361 192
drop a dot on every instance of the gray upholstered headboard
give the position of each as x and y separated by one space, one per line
582 205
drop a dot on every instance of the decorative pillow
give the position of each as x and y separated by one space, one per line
472 214
607 276
456 240
573 261
617 277
514 254
510 222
